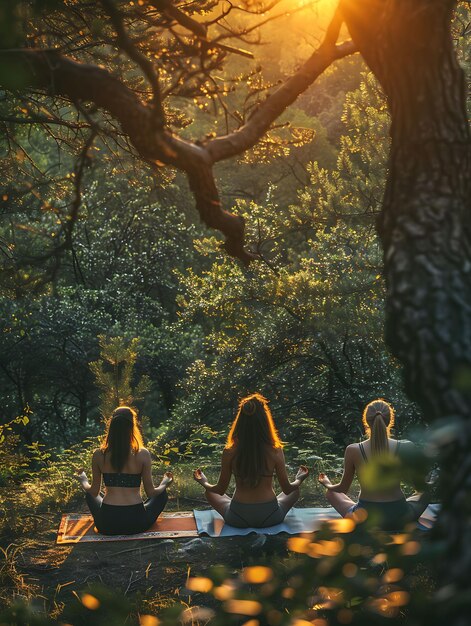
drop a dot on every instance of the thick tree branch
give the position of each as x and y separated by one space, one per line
49 71
60 76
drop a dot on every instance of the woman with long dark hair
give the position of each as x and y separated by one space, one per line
122 462
386 504
253 453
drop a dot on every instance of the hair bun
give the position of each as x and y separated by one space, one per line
249 407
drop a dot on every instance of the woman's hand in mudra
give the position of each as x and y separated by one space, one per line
167 479
303 473
81 477
324 480
199 476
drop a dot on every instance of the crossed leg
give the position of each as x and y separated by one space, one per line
221 503
287 501
218 502
94 504
154 507
418 503
340 501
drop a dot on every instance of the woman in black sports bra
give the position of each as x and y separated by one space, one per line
253 453
122 462
387 506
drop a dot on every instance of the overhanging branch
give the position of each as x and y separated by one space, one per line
57 75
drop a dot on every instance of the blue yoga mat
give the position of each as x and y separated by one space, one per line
210 523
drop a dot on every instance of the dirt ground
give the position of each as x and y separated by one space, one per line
156 570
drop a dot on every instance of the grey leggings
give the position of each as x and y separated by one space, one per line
254 515
112 519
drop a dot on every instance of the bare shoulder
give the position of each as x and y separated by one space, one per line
143 454
352 449
98 458
353 454
229 453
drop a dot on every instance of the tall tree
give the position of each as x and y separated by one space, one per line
425 228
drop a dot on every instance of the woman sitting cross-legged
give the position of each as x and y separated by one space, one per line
386 505
123 462
253 453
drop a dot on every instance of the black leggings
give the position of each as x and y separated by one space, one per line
112 519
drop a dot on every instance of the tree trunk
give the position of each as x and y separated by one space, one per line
425 228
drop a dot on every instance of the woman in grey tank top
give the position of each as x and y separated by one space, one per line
386 504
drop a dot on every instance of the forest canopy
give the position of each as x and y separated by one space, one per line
98 238
91 238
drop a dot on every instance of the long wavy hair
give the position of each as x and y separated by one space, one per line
122 436
252 430
378 419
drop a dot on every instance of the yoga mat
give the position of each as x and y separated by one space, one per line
428 517
79 528
296 521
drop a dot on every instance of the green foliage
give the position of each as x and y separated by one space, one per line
304 325
113 374
6 429
46 484
121 284
12 460
358 576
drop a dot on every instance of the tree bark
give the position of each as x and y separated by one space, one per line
425 228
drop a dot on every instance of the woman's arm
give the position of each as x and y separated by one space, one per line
224 477
348 473
94 488
282 475
147 479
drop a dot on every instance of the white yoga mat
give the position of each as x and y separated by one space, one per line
296 521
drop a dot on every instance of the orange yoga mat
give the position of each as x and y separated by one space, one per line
79 528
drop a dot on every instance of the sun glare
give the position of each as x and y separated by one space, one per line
319 8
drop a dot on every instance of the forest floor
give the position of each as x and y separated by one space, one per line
151 573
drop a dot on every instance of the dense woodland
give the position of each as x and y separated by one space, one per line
113 290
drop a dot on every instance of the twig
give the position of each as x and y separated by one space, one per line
45 519
133 550
126 43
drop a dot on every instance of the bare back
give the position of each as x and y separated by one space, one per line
361 458
121 495
263 492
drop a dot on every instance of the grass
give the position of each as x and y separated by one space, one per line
32 566
148 578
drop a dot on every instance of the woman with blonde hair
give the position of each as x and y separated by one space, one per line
122 462
387 505
253 453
